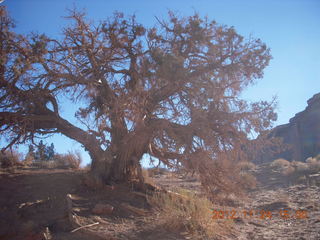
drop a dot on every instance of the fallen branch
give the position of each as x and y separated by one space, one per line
89 225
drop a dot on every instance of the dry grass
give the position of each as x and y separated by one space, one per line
297 172
280 163
146 176
10 159
71 160
288 170
314 164
245 165
157 171
249 182
184 211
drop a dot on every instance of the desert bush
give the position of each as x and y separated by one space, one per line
9 159
280 163
303 170
48 164
146 176
311 160
245 165
249 182
315 168
288 170
185 211
157 171
313 164
296 171
300 166
69 160
29 160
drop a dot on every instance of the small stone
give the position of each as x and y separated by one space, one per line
102 209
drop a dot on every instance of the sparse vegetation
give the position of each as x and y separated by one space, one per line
9 158
314 164
280 163
296 171
249 181
157 171
68 160
183 210
245 165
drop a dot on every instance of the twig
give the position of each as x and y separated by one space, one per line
89 225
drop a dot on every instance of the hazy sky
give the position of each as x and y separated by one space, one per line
291 28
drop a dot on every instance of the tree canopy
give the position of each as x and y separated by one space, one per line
172 91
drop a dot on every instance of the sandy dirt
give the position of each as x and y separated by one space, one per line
34 206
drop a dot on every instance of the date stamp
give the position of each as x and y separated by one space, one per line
261 214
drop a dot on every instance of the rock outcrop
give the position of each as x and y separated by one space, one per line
302 133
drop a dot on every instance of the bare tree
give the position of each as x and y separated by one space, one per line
171 91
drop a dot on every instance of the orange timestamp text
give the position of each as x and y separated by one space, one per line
261 214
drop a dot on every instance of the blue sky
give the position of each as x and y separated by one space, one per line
291 28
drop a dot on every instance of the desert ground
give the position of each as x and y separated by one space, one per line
63 204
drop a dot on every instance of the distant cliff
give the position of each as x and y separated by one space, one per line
302 132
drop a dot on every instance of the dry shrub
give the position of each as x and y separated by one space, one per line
249 182
288 170
28 160
303 170
314 164
311 160
294 171
185 211
9 159
315 167
48 164
246 166
146 176
69 160
280 163
157 171
297 171
300 166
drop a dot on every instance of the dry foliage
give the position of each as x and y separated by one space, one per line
280 163
183 211
314 163
147 176
69 160
157 171
172 91
248 181
296 171
9 158
246 166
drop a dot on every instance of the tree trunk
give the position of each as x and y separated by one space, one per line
119 163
